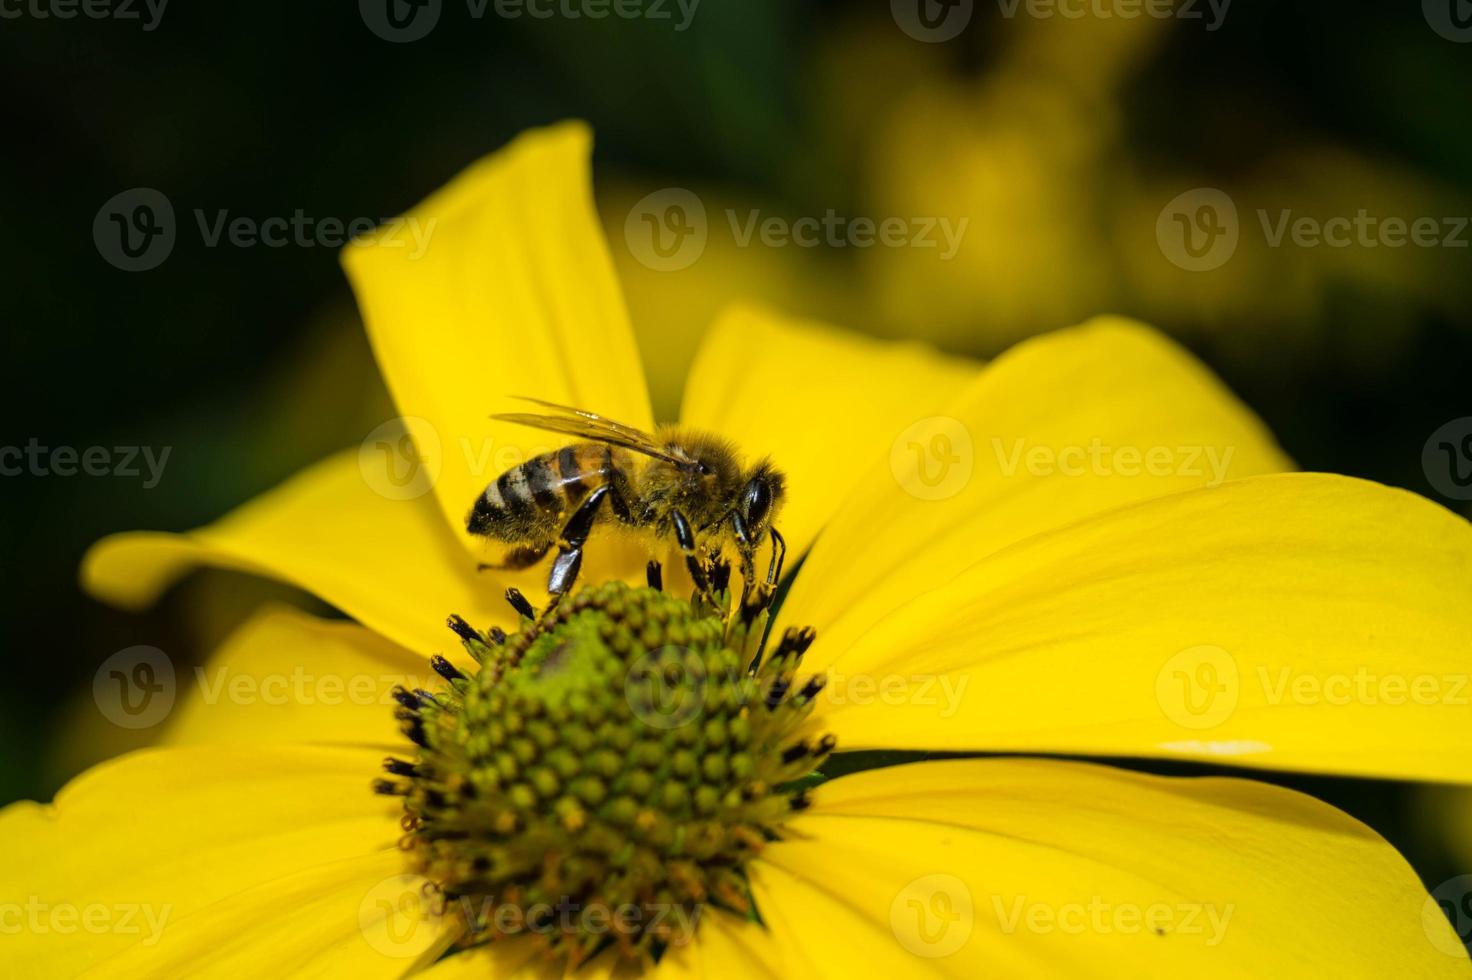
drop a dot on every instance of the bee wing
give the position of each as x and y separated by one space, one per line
589 425
628 431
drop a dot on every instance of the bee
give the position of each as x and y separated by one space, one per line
673 484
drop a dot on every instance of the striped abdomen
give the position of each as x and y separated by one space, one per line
531 501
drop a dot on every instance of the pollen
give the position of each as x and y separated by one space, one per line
607 771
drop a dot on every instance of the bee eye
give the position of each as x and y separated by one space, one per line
702 469
756 501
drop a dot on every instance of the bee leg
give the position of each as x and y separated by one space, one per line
685 537
747 552
753 600
779 557
570 548
524 556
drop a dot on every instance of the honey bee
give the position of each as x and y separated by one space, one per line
672 484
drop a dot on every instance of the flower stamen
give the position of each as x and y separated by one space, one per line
617 760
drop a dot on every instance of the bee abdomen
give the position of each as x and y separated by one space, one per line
527 500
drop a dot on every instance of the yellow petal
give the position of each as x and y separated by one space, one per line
1298 621
1014 455
230 860
514 294
1020 868
360 917
286 676
513 959
393 565
725 946
823 403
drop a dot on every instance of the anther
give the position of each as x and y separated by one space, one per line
405 698
463 629
795 642
801 801
399 767
795 751
445 669
520 604
387 787
777 692
496 635
813 687
654 575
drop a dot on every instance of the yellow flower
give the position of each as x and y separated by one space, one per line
1088 548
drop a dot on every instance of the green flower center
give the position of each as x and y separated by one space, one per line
607 772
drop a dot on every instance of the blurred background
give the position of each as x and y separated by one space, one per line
1171 168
